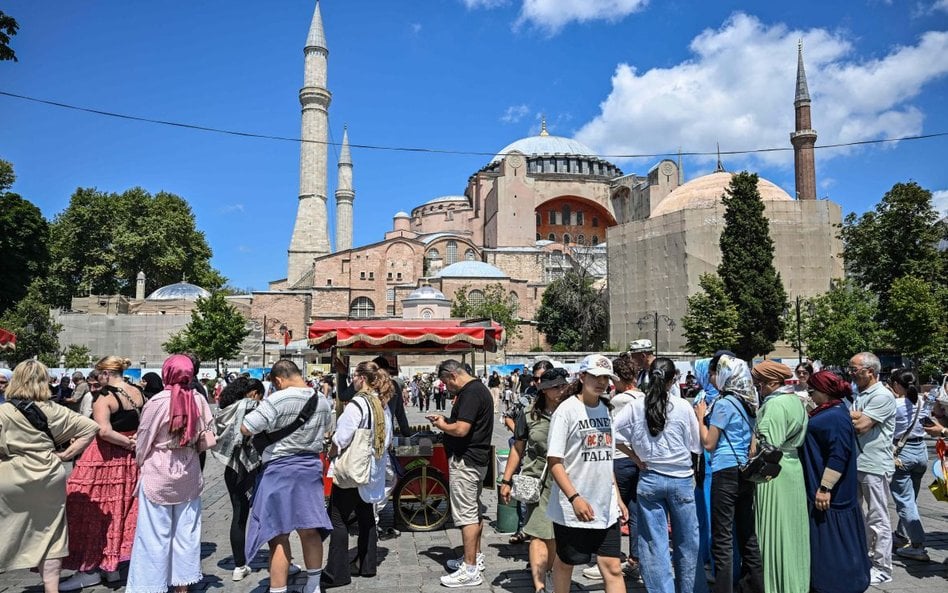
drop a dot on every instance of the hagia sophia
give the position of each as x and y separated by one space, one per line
543 205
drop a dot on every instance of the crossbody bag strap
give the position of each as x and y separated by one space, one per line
905 436
305 414
34 416
744 418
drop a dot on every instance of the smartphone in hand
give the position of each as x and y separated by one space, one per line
926 421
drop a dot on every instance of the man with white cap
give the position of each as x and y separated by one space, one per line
5 375
642 354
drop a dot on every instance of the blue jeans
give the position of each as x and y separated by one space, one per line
661 498
627 477
905 484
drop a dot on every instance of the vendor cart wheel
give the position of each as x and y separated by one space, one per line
421 499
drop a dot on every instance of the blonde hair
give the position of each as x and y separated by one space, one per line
30 381
115 364
377 379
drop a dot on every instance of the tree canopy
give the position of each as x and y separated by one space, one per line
77 356
712 319
24 241
496 305
37 334
842 323
747 268
216 330
101 241
916 320
574 314
8 28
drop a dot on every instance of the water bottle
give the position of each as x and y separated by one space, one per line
930 398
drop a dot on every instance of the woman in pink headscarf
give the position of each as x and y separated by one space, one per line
174 429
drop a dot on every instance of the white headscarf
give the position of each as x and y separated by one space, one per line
734 378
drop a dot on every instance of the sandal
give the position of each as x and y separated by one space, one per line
519 538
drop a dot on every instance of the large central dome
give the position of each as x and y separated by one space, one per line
545 144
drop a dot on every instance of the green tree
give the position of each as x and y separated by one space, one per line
899 237
712 319
216 331
77 356
24 241
842 323
917 318
101 241
747 268
497 306
8 28
574 313
37 334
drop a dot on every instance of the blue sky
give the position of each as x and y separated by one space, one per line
623 76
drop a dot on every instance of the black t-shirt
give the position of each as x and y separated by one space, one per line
476 406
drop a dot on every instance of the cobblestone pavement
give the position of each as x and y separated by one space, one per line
414 561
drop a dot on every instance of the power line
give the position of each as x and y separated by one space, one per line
443 150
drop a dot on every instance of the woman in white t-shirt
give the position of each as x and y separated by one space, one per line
584 503
665 443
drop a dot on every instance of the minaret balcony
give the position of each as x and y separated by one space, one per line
803 135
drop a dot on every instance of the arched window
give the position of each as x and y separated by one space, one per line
567 239
433 254
595 240
427 313
451 253
552 237
579 217
539 219
581 239
362 307
475 298
595 221
539 237
567 215
513 300
469 255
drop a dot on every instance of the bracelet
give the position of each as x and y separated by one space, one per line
573 497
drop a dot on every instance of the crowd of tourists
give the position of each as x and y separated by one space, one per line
622 468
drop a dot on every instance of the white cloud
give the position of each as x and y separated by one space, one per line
415 28
231 208
514 114
244 249
940 201
941 5
738 90
553 15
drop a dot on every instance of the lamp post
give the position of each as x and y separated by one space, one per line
283 333
143 362
62 361
655 317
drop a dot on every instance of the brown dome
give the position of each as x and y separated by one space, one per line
706 192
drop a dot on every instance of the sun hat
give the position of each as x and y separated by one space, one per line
637 346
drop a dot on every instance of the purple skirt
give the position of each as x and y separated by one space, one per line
289 496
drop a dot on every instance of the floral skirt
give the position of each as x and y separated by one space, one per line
101 507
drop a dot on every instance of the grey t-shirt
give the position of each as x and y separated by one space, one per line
875 456
282 408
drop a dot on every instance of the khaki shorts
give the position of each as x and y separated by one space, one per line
465 483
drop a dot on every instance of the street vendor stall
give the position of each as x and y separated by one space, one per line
420 497
7 340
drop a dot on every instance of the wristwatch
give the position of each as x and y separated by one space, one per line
507 482
823 489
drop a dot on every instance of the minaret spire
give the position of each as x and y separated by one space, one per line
311 230
804 137
344 196
720 167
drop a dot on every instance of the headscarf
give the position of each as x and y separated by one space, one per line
151 385
709 392
177 374
734 378
831 384
771 372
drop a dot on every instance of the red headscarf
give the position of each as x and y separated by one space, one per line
177 374
832 385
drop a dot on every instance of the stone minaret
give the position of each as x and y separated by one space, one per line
311 230
140 287
804 137
344 197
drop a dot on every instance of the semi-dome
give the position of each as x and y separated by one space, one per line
426 293
471 269
706 191
179 290
545 144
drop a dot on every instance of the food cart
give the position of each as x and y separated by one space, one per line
420 496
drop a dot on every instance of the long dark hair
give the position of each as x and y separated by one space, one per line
661 373
909 381
539 404
238 389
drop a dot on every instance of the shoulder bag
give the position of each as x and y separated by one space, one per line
527 488
353 466
765 464
263 440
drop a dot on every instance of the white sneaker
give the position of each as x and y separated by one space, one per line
240 573
462 578
877 577
592 573
913 554
79 580
458 563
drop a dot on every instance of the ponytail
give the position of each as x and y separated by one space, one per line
661 374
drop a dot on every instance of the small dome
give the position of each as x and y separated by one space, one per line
471 269
180 290
401 214
534 145
706 191
446 199
426 292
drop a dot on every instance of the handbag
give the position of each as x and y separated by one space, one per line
762 466
353 466
528 488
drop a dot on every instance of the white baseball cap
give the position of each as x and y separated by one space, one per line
597 365
643 345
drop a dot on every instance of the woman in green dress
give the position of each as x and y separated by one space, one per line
781 502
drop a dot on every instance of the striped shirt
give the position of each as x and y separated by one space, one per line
282 408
